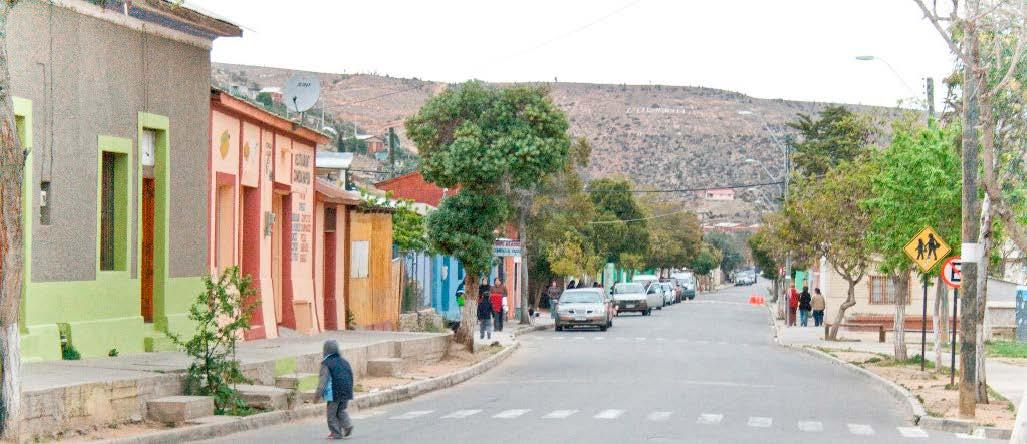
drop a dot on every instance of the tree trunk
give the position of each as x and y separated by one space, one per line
12 165
984 241
901 284
522 228
469 313
850 300
940 321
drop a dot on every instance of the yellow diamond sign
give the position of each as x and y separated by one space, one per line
926 249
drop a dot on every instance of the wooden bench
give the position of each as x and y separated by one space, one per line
880 329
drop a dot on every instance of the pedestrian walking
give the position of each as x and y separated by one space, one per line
818 305
497 297
554 296
793 304
335 386
805 306
484 318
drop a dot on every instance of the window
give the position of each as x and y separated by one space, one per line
882 290
113 211
329 219
358 259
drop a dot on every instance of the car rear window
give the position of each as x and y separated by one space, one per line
581 297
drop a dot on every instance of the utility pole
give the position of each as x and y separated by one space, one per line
930 98
968 305
392 152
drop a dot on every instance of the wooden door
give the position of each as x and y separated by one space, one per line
146 262
331 308
276 254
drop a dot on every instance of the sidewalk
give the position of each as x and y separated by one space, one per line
1004 376
67 395
513 328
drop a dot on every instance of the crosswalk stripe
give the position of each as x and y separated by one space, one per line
560 338
969 436
510 414
861 429
639 339
912 432
811 426
760 421
599 338
710 418
658 416
459 414
559 414
609 414
412 414
661 339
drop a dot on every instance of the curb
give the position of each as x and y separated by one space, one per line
918 415
396 394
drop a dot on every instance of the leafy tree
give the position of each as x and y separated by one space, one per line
705 262
918 184
731 250
409 233
265 99
488 142
838 134
766 260
620 226
831 209
675 235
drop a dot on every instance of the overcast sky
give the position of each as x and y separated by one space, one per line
791 49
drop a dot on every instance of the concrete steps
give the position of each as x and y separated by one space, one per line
157 341
265 397
179 409
299 382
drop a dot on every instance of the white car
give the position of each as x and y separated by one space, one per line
648 282
631 297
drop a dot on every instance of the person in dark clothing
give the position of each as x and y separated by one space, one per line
572 284
595 285
335 385
805 305
484 317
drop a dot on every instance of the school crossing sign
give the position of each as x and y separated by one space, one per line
926 249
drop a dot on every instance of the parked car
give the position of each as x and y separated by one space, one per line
630 297
670 296
686 280
584 307
747 277
647 281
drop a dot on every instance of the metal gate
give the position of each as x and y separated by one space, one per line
1021 314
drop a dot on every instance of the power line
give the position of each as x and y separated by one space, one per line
685 190
375 97
618 221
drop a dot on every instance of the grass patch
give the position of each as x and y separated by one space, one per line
1007 349
826 350
914 361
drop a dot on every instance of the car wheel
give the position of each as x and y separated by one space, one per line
602 328
659 308
559 328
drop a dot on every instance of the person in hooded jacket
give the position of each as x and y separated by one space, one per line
335 385
484 317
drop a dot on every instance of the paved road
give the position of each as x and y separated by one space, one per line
703 371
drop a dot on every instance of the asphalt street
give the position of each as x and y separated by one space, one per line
706 371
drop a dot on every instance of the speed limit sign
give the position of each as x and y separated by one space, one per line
951 272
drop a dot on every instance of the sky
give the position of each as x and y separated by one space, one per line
789 49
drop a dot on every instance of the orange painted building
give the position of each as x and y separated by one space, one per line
266 218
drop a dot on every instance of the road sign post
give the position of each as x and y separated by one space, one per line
952 275
926 249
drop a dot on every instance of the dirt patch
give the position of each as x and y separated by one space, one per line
856 357
930 388
112 432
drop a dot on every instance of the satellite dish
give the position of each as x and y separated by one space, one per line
301 92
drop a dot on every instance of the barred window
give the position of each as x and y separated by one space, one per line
882 290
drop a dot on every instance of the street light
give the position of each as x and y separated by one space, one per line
870 58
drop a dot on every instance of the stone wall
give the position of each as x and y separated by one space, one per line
425 320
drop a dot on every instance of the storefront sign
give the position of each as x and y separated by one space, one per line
506 248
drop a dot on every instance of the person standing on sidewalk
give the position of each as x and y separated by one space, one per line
497 298
484 317
335 386
805 306
819 305
793 304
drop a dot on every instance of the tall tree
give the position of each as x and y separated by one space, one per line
620 229
918 184
488 142
837 135
675 235
12 176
